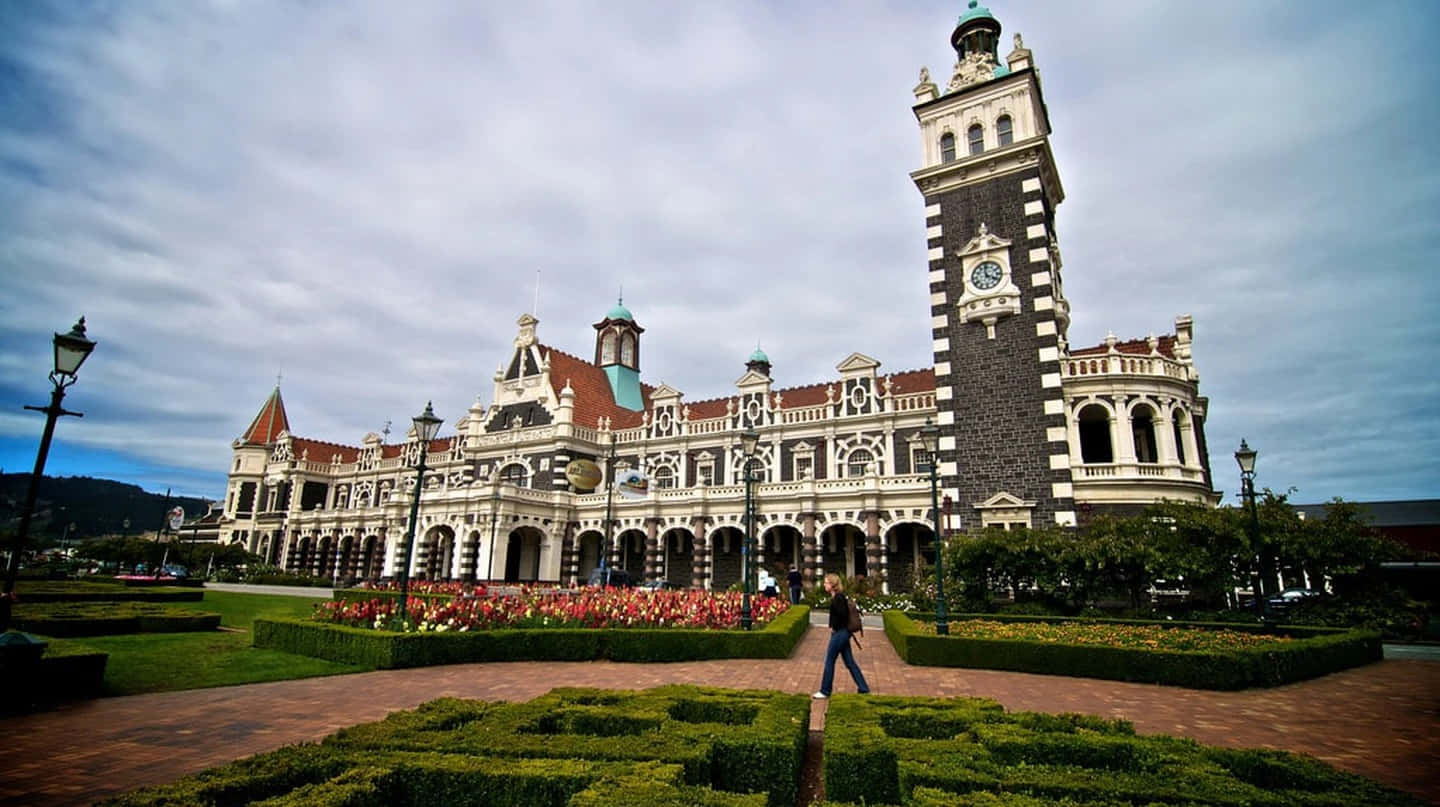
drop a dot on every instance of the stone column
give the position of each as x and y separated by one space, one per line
808 550
654 561
698 576
873 553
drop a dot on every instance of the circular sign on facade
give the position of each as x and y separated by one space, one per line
583 474
176 517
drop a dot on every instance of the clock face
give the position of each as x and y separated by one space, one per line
986 275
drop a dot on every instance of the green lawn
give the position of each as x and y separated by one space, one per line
163 662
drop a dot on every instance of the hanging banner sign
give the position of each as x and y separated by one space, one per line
632 484
176 517
583 474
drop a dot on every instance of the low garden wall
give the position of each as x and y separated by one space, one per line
390 650
1310 653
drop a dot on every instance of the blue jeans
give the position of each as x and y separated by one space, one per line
840 646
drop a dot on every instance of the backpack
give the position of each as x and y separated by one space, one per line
853 623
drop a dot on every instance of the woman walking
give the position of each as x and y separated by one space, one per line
839 641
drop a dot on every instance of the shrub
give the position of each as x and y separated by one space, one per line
109 618
1312 653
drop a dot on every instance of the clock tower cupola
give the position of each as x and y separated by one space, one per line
617 352
998 316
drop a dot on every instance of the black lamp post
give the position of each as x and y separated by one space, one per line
71 350
930 438
426 427
748 440
609 479
1245 458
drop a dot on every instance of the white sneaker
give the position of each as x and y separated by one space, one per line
819 696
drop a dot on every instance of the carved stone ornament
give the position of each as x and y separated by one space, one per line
973 69
526 336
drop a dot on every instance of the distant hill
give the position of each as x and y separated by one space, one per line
95 506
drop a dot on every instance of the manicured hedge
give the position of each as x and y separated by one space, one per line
110 618
969 751
67 670
1316 652
88 591
669 747
387 650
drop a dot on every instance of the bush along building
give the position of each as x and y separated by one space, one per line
1032 432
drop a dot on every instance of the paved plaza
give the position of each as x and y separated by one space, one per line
1380 720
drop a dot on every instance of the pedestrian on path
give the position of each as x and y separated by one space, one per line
794 579
839 641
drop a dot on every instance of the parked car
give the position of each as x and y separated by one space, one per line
610 576
659 585
1291 597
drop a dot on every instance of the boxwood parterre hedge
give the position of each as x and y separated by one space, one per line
1315 652
390 650
969 751
109 618
665 747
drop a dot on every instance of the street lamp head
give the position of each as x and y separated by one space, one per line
71 350
1245 456
748 440
930 437
426 424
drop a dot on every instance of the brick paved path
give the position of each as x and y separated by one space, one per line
1379 721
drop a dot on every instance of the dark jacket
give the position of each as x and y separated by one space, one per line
794 579
839 612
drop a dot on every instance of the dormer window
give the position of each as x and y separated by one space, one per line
976 136
1004 131
947 147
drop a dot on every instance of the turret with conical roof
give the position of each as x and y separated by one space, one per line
269 422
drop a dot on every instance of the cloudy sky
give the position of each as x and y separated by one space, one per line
359 196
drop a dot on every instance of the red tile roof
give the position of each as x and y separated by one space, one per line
321 451
268 424
593 396
1133 347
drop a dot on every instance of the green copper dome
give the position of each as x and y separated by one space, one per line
759 355
976 12
619 311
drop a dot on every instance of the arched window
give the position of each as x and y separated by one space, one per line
947 147
1179 437
857 462
627 349
1142 426
977 139
607 349
1094 424
664 477
514 473
1004 131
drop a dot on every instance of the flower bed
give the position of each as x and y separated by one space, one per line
1196 655
579 608
386 649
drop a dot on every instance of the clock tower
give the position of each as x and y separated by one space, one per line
998 316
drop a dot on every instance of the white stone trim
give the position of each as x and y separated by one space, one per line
1065 518
1031 184
1034 208
1055 406
1038 279
1050 380
1049 354
1062 490
936 254
944 393
937 275
947 469
1035 231
1039 255
934 210
945 417
942 368
1046 303
942 344
1057 434
1046 328
937 298
932 231
947 442
939 321
1059 462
